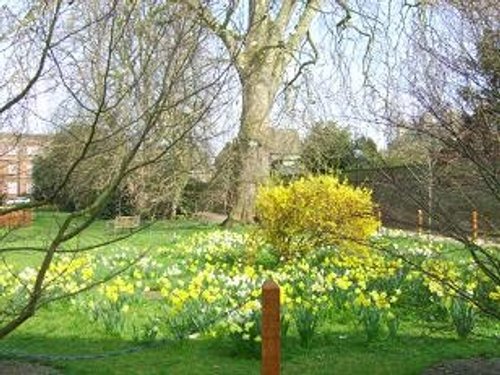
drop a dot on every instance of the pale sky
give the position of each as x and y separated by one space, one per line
335 88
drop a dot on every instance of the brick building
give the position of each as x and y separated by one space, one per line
16 162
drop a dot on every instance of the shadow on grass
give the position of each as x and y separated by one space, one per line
330 353
405 354
74 355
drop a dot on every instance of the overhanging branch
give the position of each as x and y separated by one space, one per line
302 66
228 37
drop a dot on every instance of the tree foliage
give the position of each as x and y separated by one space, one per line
73 191
329 148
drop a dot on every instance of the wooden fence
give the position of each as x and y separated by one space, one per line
16 219
474 224
448 197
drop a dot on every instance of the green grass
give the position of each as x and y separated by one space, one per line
55 331
339 349
46 223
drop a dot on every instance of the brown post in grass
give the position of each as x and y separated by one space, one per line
271 346
420 221
474 225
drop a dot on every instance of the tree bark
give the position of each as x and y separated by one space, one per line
259 90
260 53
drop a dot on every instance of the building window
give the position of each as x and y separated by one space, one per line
32 150
12 169
12 188
11 151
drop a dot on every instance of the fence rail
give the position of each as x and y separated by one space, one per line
16 219
447 199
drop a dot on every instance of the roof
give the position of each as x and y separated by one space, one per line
283 141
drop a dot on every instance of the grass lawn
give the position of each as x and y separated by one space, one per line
334 352
161 233
339 348
55 331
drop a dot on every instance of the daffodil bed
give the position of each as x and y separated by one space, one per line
204 294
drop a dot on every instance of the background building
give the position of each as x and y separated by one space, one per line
16 162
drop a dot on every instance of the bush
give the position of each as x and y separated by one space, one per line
315 212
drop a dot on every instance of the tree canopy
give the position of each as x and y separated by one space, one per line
329 148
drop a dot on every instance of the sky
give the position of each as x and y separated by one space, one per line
346 84
350 83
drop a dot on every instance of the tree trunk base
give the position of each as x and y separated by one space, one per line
229 222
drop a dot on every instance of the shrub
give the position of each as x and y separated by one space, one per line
314 212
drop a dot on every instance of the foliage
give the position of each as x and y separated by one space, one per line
220 195
306 322
313 212
192 196
370 318
156 190
366 154
174 184
53 182
329 148
463 317
408 147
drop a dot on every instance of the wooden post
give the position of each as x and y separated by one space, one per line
271 351
420 221
474 225
379 215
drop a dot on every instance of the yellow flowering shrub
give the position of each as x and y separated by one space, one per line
313 212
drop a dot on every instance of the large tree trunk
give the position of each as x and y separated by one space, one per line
259 91
260 54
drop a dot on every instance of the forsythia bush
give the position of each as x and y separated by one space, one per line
314 212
